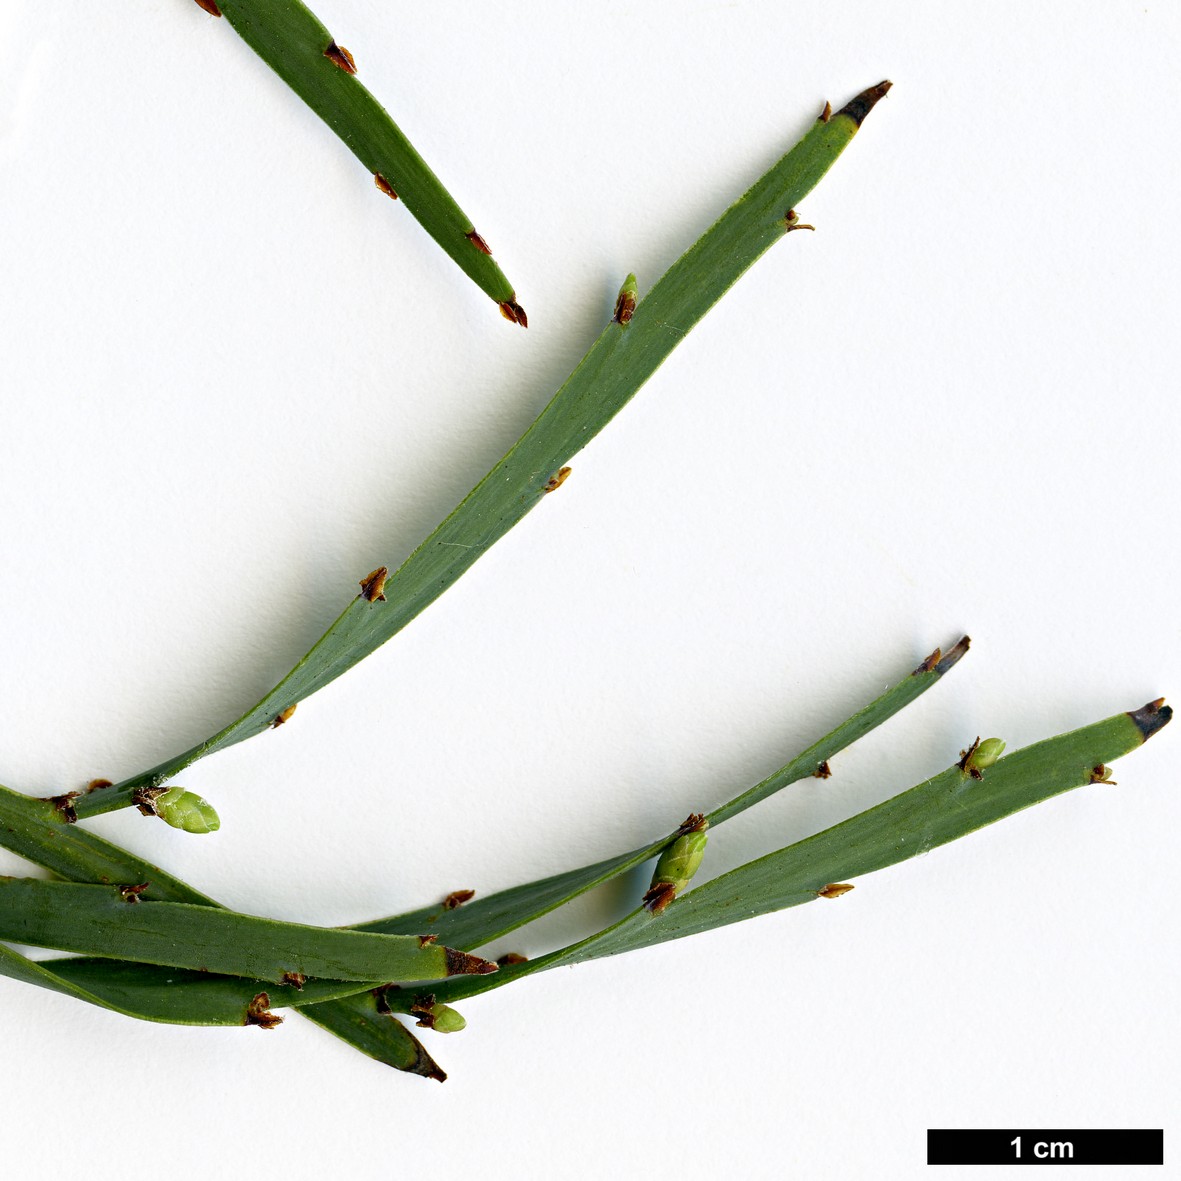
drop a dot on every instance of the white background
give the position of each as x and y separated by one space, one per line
236 378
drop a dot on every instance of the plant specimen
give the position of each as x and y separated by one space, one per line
149 945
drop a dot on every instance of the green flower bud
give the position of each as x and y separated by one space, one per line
677 864
625 305
187 810
980 755
987 753
447 1020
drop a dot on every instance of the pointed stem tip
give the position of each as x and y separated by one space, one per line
865 102
1151 717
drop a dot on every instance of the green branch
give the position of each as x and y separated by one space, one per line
626 354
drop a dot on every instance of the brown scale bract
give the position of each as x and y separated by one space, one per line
283 717
339 56
258 1012
384 185
478 242
834 890
373 585
512 311
556 481
457 898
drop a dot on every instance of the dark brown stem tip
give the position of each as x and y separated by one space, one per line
461 963
210 7
1151 717
952 657
514 313
339 56
865 102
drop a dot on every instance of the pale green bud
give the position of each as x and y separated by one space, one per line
677 865
187 810
988 752
446 1019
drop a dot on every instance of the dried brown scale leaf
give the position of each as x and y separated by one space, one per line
462 963
258 1012
132 893
283 717
824 771
478 242
930 664
457 898
792 221
295 979
209 6
966 758
826 114
385 186
339 56
834 890
556 481
510 958
144 798
65 805
95 784
421 1008
424 940
658 898
511 310
373 584
694 822
625 307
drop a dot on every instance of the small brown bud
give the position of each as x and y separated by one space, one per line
824 771
834 890
285 716
384 185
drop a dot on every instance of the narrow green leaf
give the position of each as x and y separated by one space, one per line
617 365
940 810
100 921
292 41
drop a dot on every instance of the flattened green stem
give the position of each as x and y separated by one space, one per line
38 831
489 918
102 921
617 365
936 812
291 40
